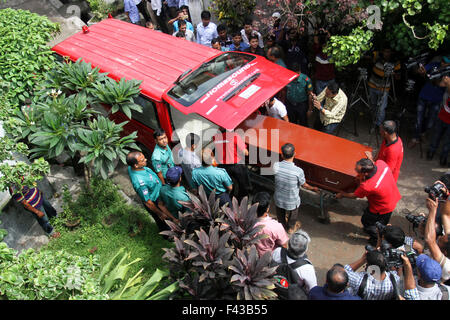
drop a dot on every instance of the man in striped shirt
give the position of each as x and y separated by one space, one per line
288 180
34 201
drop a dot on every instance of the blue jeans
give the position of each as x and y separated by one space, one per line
426 110
48 211
378 102
321 85
331 128
441 132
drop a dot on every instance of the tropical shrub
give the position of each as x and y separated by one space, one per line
25 55
214 255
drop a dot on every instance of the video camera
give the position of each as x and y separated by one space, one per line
363 73
417 61
388 69
438 73
392 256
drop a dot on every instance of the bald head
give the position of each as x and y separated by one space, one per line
389 126
132 158
337 278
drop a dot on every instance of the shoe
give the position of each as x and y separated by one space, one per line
413 143
55 235
430 155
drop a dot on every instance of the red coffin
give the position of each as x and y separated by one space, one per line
328 161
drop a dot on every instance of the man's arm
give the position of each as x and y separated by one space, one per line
161 211
341 195
358 263
445 216
28 207
430 230
311 188
161 177
229 188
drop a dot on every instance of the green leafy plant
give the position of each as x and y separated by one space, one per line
45 275
25 55
101 9
119 95
115 282
101 145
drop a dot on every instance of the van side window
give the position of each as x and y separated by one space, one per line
148 116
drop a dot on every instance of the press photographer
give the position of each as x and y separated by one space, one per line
440 247
381 285
396 238
442 125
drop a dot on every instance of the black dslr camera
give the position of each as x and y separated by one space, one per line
392 256
438 73
380 227
436 191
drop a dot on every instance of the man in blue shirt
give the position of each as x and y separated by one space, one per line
335 287
429 101
238 44
132 11
147 185
212 178
162 158
172 192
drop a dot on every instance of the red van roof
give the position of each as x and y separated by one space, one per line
125 50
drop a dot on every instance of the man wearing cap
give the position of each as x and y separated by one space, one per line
212 178
429 278
162 158
148 186
172 192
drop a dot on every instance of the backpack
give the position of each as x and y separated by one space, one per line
287 286
444 291
363 284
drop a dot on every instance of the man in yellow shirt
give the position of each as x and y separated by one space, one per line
332 110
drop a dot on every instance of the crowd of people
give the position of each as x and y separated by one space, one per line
162 184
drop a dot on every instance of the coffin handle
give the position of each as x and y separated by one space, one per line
326 179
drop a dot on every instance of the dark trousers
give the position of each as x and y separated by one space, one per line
161 21
330 129
142 7
224 198
368 220
287 218
162 225
239 174
49 212
297 112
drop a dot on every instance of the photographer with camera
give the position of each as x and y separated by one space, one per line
440 246
428 103
396 238
375 282
441 129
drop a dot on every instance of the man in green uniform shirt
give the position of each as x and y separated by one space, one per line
172 192
162 158
147 185
298 99
212 178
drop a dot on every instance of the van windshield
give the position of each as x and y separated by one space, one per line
207 76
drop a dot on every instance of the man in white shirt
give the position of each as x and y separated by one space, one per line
188 158
206 30
248 31
429 277
276 109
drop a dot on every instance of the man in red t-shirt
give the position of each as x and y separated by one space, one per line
230 153
391 150
442 126
377 184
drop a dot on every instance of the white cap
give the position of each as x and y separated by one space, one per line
276 15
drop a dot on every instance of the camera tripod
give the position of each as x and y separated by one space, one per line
356 97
